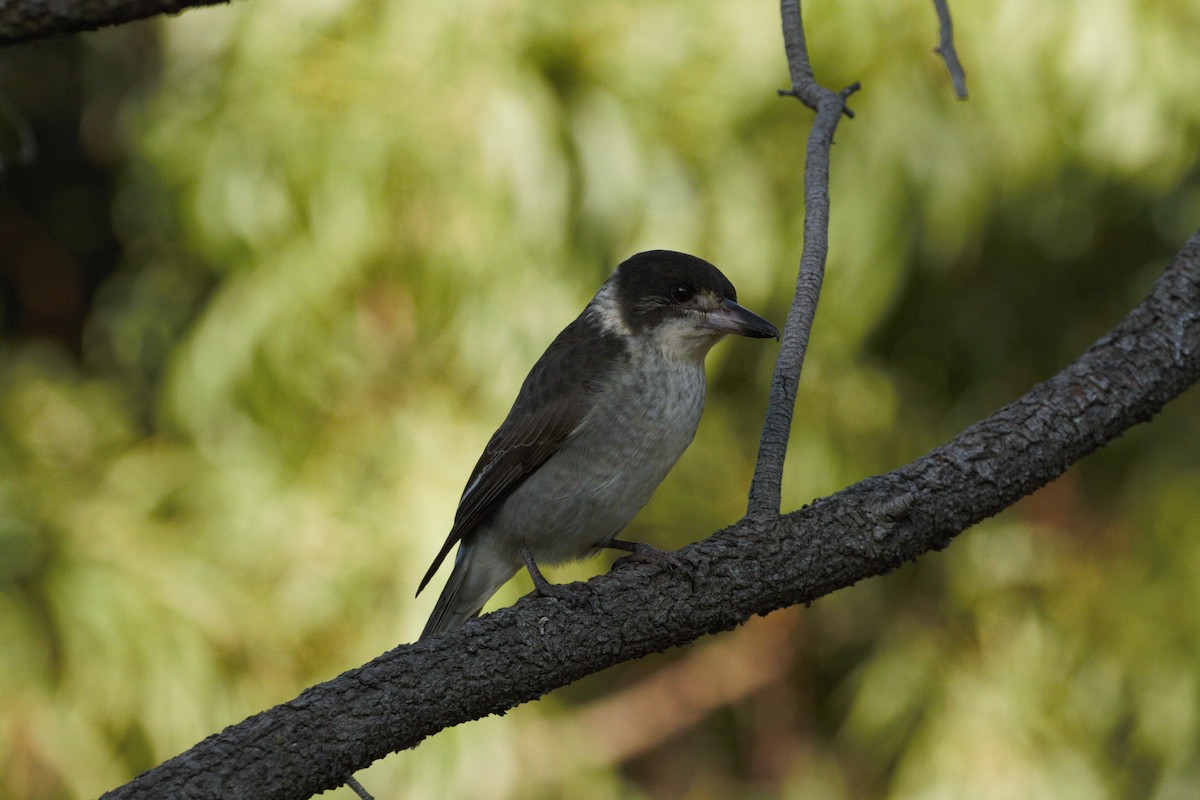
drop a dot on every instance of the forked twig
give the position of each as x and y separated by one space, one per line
946 50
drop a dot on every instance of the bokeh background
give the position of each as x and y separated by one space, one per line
270 274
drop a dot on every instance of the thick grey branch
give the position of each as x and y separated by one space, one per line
517 654
766 486
23 20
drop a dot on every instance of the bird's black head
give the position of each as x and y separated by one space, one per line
682 302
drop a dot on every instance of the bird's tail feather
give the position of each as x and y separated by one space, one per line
474 579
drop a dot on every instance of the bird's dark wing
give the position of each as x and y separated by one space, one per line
551 404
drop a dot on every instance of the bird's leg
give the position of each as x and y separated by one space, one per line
574 595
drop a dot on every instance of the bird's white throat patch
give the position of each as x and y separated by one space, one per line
606 310
683 339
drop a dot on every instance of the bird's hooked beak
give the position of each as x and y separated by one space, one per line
729 317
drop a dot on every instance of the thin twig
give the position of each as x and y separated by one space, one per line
358 789
766 487
946 49
795 46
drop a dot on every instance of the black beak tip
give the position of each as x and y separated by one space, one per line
767 332
745 322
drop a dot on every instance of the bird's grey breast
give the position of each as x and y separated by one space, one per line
642 417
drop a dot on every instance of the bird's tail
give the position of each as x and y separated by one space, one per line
475 578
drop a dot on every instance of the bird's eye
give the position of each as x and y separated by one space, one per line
681 293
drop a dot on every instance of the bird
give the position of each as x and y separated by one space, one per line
598 423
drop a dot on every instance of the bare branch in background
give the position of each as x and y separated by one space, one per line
946 49
765 489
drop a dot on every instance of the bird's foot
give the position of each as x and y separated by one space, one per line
576 595
665 559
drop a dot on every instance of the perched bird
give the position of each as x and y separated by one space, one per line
601 418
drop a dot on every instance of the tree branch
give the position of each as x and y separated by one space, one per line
24 20
765 488
755 566
946 49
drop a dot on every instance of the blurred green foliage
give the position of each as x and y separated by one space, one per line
293 260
